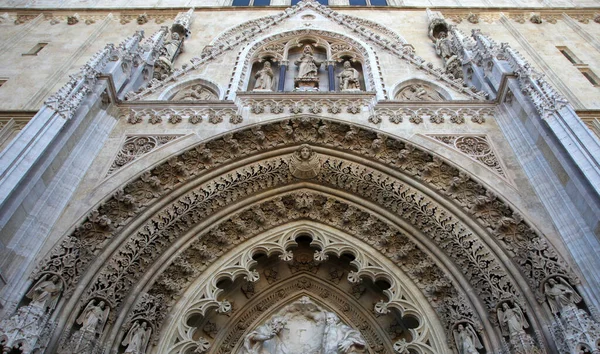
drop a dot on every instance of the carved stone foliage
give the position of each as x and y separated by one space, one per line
196 92
193 115
533 255
287 105
418 115
136 146
477 147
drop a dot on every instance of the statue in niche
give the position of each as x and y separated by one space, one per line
264 78
512 320
303 327
305 163
92 321
44 295
93 317
196 92
137 338
560 295
467 341
265 339
308 66
349 78
339 338
419 92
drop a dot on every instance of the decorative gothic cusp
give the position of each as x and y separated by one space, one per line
303 327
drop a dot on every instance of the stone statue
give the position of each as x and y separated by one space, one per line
560 294
308 66
349 78
265 339
512 320
466 340
443 47
137 338
303 327
44 295
93 317
419 92
339 338
264 78
305 163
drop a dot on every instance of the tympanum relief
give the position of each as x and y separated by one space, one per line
419 92
303 327
196 92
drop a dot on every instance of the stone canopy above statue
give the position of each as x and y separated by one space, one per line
307 64
303 327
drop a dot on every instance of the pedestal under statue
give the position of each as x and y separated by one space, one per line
303 327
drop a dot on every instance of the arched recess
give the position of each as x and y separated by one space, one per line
202 295
171 92
337 46
476 238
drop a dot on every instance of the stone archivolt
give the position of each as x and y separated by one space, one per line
111 223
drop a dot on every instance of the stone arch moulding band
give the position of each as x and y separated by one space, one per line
426 191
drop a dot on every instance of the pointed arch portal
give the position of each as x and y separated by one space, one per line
188 233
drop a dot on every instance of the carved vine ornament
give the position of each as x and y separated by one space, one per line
530 252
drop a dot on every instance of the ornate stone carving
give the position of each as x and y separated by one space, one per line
477 147
298 105
136 146
492 213
305 163
193 115
136 340
197 92
28 329
418 115
85 339
264 78
419 92
466 339
349 78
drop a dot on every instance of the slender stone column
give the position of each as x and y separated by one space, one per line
330 75
282 71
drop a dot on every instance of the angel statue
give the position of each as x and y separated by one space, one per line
44 295
560 294
92 319
466 340
137 338
305 163
512 320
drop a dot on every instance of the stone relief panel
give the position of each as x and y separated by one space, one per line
196 92
136 146
477 147
418 92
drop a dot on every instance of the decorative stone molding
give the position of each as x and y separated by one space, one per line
417 114
477 147
135 146
193 114
294 104
531 254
